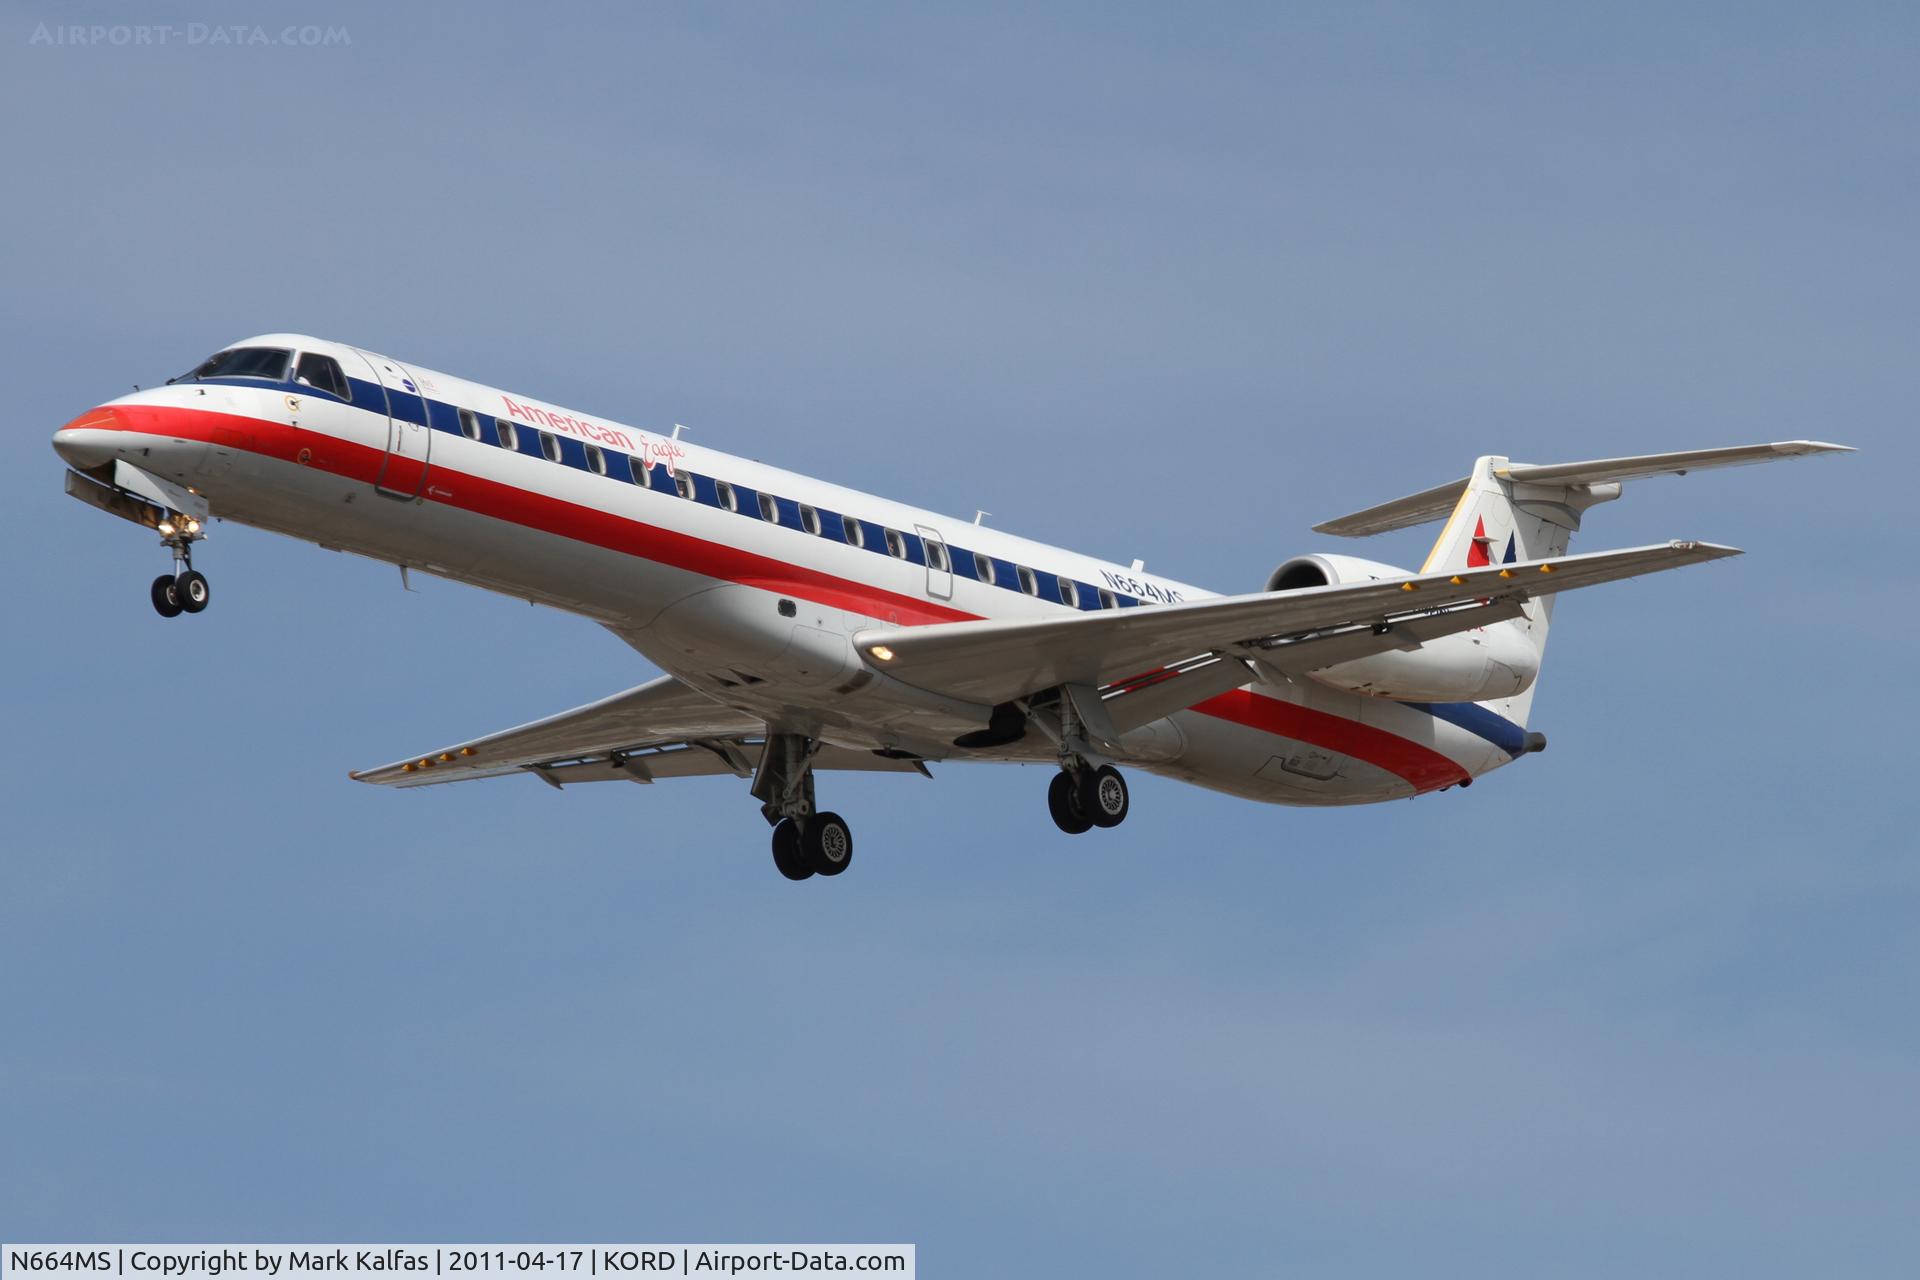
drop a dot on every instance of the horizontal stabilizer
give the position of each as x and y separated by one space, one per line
1438 502
1602 470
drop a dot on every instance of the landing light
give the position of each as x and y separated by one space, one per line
193 526
166 528
881 652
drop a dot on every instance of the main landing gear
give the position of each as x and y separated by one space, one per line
819 844
184 590
806 842
1082 795
1085 797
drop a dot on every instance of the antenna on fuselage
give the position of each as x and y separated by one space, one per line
677 429
979 516
1139 565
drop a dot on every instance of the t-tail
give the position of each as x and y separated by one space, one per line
1506 512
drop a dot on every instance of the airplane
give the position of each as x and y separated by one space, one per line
805 627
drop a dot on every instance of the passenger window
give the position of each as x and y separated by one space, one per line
896 545
1106 599
322 373
550 445
1070 592
1028 583
936 556
982 567
509 438
724 492
684 483
856 536
642 473
469 425
810 520
596 460
769 509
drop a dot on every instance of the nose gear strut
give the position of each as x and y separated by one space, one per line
184 590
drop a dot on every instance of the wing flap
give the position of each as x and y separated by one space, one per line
997 661
706 758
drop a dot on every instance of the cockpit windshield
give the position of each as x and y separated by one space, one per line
269 363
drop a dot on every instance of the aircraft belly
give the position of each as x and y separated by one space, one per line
1258 764
750 636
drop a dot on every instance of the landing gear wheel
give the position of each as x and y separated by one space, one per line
786 851
1103 795
827 843
1064 803
166 596
191 588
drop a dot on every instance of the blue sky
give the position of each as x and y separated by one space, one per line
1172 285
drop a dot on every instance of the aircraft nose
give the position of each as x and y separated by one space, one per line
91 439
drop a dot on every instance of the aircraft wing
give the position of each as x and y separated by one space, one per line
994 661
661 729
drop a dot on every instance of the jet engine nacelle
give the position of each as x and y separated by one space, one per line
1496 661
1327 571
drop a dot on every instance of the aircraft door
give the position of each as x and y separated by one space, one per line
939 563
403 472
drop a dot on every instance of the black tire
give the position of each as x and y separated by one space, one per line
1063 802
166 596
193 591
786 851
827 842
1103 795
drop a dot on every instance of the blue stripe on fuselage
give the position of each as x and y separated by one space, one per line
1477 720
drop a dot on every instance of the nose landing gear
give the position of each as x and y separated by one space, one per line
184 590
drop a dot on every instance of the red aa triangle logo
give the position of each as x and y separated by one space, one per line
1479 553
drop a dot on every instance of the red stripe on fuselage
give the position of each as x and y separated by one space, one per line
1424 768
1421 767
532 510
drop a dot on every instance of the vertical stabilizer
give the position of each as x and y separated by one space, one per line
1506 512
1498 521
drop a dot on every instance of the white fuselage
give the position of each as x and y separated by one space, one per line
758 612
